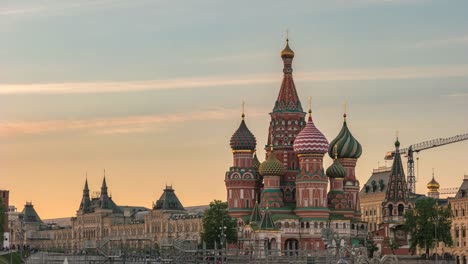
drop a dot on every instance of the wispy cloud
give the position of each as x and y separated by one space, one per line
436 43
117 125
456 95
241 57
59 7
416 72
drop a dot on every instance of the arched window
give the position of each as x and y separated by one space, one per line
390 210
401 209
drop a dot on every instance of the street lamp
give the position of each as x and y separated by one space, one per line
222 239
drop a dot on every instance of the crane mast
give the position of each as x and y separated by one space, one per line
408 152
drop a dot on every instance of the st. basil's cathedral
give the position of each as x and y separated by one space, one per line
284 203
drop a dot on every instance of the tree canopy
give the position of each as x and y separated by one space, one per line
216 217
425 221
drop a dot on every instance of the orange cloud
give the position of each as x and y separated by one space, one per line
407 72
117 125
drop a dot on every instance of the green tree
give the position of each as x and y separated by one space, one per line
425 221
371 248
393 245
216 217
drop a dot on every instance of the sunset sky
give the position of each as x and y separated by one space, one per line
151 91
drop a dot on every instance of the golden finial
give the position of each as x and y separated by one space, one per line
243 109
344 110
310 106
335 151
432 173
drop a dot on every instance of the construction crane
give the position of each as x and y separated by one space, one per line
409 151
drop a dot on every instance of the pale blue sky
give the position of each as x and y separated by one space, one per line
139 87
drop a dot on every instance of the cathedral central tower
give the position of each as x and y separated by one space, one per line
287 120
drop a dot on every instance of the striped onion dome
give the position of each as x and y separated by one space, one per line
336 170
243 139
310 140
347 146
272 166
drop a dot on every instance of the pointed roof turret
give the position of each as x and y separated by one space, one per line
30 215
348 147
85 200
267 222
104 185
288 100
256 216
168 201
105 201
397 189
255 162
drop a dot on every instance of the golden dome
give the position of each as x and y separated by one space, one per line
433 185
287 51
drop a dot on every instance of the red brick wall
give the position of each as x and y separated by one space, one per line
5 195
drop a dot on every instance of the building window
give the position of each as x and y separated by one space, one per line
463 212
242 193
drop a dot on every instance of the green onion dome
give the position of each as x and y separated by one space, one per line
336 170
271 167
347 146
243 139
255 162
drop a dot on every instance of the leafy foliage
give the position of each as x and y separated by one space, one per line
393 245
215 218
425 221
371 248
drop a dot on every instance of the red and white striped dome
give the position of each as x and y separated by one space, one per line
310 140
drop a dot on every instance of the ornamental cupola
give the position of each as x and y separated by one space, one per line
288 100
433 187
336 170
310 140
271 166
243 139
347 146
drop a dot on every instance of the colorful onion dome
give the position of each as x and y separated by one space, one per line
336 170
255 162
347 145
272 166
243 139
310 140
287 51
